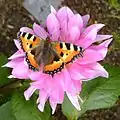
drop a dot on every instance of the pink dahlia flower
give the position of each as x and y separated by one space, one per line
65 26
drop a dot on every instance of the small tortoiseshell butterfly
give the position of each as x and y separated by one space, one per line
51 55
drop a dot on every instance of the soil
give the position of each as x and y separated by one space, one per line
13 16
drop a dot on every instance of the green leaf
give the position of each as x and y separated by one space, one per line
6 112
69 110
101 92
27 110
3 71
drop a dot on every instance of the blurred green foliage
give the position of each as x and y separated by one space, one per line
27 110
3 71
6 111
115 4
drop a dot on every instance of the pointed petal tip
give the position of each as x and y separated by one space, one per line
26 29
106 74
4 65
9 58
97 26
107 42
87 15
41 107
18 54
53 111
29 92
74 101
11 76
80 99
52 9
26 96
102 71
38 101
53 105
100 25
100 37
85 19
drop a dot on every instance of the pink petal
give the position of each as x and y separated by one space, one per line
28 93
13 63
94 53
74 34
79 21
64 31
63 15
87 37
40 31
21 71
104 44
42 99
37 76
78 85
85 20
44 82
97 26
68 84
75 74
40 79
53 26
61 79
57 92
94 26
17 43
74 101
99 71
89 71
26 29
48 84
41 82
103 37
18 54
75 21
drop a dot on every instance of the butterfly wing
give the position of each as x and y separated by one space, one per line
68 52
28 40
28 43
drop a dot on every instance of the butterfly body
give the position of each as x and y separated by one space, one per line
48 55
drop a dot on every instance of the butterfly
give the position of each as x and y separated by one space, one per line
51 56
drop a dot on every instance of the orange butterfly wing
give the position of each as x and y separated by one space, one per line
28 42
68 52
